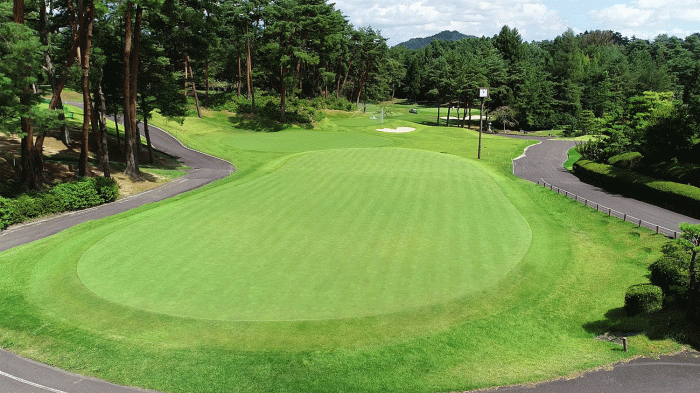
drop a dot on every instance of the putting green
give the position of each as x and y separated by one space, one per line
329 234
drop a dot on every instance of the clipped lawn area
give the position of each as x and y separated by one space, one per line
416 271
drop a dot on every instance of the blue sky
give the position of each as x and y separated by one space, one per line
400 20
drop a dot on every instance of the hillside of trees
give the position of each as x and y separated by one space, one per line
640 96
445 35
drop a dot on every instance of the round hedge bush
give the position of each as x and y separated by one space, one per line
642 298
668 272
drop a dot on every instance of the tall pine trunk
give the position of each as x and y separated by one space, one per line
194 88
449 108
29 178
132 168
283 95
151 158
240 76
206 84
86 43
102 121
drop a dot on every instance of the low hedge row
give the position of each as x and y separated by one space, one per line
681 198
80 194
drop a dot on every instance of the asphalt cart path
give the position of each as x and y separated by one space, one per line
542 163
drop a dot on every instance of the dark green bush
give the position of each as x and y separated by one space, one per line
81 194
681 198
668 272
77 195
643 298
626 160
26 207
6 213
10 189
50 203
107 189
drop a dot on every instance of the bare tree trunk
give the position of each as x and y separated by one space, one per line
129 138
29 178
206 84
248 63
72 55
186 73
104 157
86 44
151 159
449 107
194 88
348 70
364 79
438 115
283 94
115 115
240 76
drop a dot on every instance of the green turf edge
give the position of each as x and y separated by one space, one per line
573 157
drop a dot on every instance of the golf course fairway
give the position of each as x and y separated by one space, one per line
337 258
329 234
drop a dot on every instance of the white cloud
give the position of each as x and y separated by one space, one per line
650 18
400 20
405 19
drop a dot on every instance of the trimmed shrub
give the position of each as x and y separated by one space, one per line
6 213
681 198
26 208
642 298
107 189
50 204
77 195
626 160
668 272
81 194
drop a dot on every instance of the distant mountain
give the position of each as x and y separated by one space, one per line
417 43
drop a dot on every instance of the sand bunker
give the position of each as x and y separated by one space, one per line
400 129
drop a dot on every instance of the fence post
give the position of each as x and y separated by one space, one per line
596 207
624 218
657 229
609 212
640 223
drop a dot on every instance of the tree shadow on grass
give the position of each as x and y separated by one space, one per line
670 322
264 125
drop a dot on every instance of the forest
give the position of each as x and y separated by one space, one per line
132 58
638 96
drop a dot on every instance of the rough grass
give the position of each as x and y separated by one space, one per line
535 323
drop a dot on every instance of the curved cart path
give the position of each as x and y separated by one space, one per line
544 162
679 373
